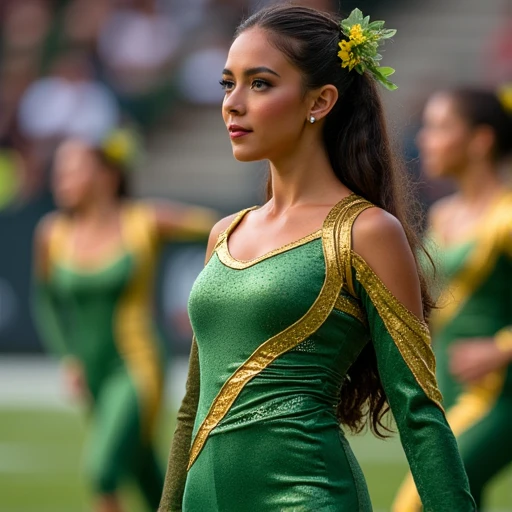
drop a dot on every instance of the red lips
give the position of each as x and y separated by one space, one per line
236 131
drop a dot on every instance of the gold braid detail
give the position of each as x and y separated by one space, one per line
410 334
267 352
351 307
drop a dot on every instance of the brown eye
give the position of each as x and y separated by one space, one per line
260 85
227 85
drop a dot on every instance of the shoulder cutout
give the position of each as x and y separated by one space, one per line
379 238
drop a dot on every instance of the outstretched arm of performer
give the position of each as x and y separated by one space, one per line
473 359
386 281
183 222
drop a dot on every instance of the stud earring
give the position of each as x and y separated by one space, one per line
312 119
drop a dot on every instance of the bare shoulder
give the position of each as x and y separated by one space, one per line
376 226
379 238
41 245
222 225
217 229
45 228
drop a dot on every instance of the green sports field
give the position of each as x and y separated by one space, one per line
40 455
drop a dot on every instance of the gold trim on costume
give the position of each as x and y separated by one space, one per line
351 307
343 213
134 334
478 265
227 259
410 334
57 239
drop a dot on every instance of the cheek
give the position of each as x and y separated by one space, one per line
280 111
442 144
73 187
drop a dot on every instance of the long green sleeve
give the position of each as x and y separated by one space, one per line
405 368
174 487
48 319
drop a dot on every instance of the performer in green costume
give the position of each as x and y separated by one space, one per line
309 311
466 137
95 261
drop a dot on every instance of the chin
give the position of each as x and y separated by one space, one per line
245 155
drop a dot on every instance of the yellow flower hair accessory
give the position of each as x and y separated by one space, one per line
122 147
360 52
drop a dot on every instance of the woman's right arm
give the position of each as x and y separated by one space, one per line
176 476
44 307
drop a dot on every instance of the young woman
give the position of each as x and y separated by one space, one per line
310 310
94 264
467 137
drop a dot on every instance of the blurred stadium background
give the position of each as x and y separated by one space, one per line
81 67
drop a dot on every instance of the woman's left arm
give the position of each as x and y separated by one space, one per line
471 360
385 279
182 222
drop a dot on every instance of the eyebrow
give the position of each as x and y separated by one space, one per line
252 71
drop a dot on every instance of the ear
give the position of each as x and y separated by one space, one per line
322 101
482 142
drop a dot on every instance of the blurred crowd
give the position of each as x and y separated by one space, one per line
81 67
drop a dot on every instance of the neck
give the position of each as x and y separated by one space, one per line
304 177
478 182
97 212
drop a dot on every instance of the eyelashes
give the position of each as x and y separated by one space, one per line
225 84
257 84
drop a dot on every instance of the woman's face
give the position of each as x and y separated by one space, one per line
264 107
445 138
75 175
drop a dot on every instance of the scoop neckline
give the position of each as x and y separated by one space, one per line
229 260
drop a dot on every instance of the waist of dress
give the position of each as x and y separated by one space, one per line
305 411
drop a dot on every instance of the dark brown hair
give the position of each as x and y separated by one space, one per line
356 140
480 107
113 166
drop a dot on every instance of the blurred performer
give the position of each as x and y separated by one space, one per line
94 262
467 137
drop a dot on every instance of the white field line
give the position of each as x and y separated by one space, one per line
36 382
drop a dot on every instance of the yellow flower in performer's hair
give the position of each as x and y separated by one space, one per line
359 47
356 34
344 53
119 146
347 56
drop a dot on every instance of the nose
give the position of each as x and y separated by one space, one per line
234 103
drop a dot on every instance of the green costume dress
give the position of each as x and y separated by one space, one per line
475 303
101 316
257 430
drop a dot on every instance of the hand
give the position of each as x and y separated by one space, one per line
74 379
472 360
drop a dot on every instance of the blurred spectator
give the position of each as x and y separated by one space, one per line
136 47
498 56
68 102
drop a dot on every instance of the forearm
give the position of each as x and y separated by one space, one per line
407 371
174 487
